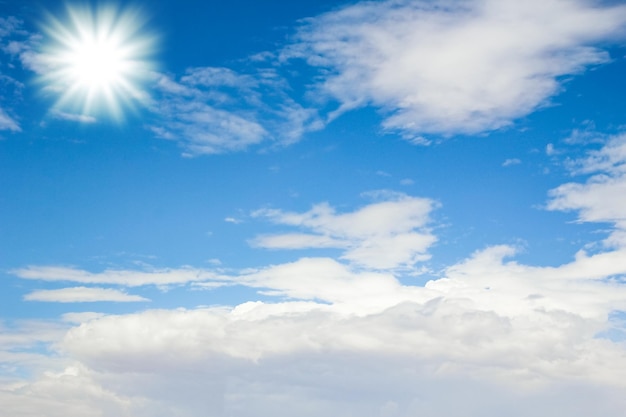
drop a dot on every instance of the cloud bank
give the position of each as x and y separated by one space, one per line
346 336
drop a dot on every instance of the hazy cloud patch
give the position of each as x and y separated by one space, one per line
213 110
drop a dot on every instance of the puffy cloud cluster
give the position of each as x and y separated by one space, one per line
446 67
358 343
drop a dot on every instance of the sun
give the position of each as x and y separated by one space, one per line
98 63
96 60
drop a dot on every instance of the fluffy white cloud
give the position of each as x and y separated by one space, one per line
448 67
82 295
350 339
347 341
216 110
387 234
328 281
527 335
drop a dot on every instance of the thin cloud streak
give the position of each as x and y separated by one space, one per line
82 295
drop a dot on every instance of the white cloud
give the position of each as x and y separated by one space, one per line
585 135
326 280
10 27
602 198
24 349
297 241
82 295
579 288
128 278
28 333
611 158
8 123
233 220
388 234
81 118
348 340
216 110
70 392
498 336
78 318
447 67
511 161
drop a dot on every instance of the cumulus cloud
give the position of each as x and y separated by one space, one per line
82 295
447 67
23 349
527 333
337 330
328 281
388 234
216 110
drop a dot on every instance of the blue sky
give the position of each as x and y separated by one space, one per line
313 208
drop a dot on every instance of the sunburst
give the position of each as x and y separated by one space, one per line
97 59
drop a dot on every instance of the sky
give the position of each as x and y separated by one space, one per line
272 208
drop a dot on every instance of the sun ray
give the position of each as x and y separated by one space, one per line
97 60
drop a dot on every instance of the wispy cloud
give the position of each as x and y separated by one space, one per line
233 220
82 118
511 161
216 110
82 295
127 278
10 31
602 198
387 234
444 67
8 123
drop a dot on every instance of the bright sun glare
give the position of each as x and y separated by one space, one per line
97 60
